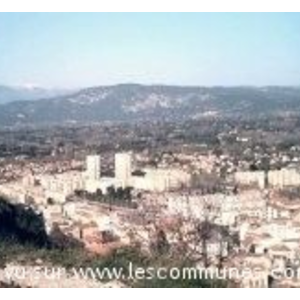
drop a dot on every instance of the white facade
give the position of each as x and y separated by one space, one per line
275 178
59 186
103 184
251 178
284 177
223 209
123 168
276 212
155 180
282 230
161 180
93 167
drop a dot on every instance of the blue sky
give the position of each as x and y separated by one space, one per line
85 49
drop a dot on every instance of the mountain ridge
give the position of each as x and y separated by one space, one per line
26 93
138 102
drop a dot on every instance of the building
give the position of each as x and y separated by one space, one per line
93 167
152 179
161 180
253 178
274 178
59 186
284 177
103 184
93 179
123 168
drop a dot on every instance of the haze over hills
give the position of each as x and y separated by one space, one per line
27 92
134 102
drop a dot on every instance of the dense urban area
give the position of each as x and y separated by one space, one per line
213 193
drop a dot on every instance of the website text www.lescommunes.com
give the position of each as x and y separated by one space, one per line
138 273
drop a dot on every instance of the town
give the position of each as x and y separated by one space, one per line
220 200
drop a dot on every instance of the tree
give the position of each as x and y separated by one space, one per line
119 194
99 194
50 201
20 222
160 245
62 241
111 192
128 194
252 249
78 193
204 232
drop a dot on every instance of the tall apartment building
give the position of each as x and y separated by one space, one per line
123 168
93 167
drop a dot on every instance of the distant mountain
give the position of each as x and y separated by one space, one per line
10 94
133 102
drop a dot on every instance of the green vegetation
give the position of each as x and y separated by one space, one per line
23 240
120 259
22 224
114 196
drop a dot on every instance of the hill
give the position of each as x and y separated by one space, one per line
133 102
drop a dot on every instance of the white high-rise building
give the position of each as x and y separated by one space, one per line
93 167
123 169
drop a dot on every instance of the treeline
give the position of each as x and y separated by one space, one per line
22 224
113 196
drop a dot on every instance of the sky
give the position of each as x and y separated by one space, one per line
72 50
